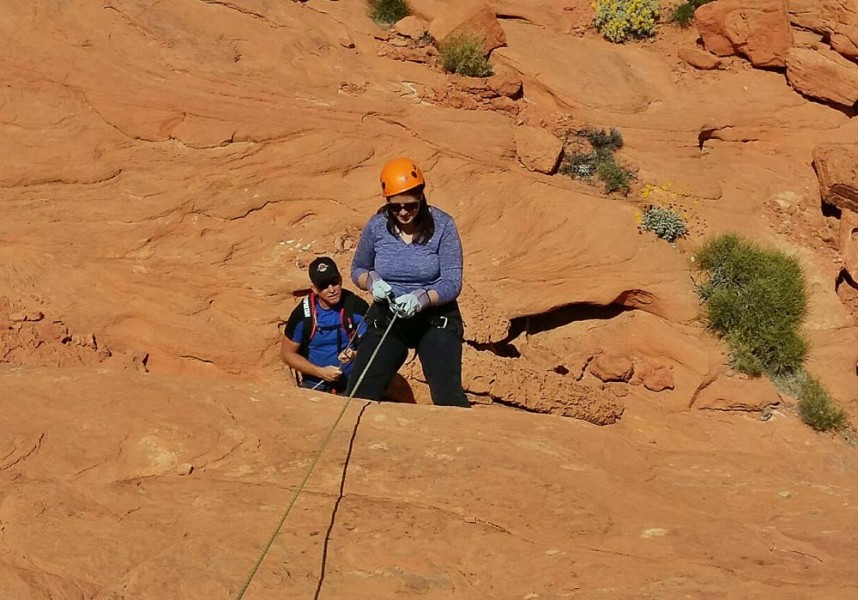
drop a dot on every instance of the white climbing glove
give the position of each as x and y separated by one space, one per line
407 305
380 290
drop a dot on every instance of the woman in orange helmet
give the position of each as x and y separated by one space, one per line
410 255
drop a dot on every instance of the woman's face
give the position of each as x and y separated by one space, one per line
404 206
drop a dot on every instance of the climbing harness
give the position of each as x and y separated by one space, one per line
315 460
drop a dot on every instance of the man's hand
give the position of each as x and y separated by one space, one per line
329 374
346 356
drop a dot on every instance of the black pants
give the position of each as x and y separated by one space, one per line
436 333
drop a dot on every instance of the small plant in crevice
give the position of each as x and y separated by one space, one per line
815 405
621 20
580 163
684 13
817 409
664 222
387 12
425 39
464 55
603 142
615 176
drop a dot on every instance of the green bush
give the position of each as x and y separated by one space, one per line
665 223
684 13
579 165
816 408
387 12
756 299
604 143
464 55
599 160
616 177
620 20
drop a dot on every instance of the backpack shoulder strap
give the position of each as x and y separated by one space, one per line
352 305
309 307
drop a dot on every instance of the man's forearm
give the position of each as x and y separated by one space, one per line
300 364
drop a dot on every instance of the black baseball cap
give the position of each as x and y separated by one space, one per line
323 272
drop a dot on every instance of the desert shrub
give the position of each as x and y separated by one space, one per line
603 142
756 299
684 13
665 223
387 12
615 176
817 409
599 160
464 55
579 165
620 20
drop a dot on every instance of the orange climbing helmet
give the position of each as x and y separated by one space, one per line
400 175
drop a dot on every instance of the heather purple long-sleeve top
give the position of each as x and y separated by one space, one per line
436 265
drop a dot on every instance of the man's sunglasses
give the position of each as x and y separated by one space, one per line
336 281
395 207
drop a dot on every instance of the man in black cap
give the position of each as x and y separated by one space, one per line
321 332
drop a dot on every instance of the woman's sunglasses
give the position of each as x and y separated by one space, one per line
396 207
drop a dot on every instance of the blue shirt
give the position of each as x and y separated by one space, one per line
330 339
435 265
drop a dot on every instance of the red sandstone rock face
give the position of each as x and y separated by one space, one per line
699 59
837 168
737 394
439 486
469 17
410 27
536 390
758 30
848 242
505 82
823 16
251 185
27 337
845 42
537 149
654 377
612 367
824 75
164 185
836 19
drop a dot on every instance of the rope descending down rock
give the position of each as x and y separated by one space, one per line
315 460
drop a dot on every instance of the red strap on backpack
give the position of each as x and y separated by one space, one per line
346 323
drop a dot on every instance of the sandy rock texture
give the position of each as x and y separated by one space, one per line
824 75
440 503
537 149
837 168
474 18
170 169
699 59
837 18
758 30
